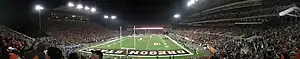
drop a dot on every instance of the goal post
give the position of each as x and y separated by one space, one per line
123 39
132 35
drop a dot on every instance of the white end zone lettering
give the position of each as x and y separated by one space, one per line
171 52
144 52
119 52
110 52
180 51
162 53
134 52
104 50
153 52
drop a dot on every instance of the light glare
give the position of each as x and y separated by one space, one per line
79 6
191 2
93 9
87 8
70 4
113 17
176 16
39 7
105 16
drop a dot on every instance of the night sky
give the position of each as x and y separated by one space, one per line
141 11
131 11
20 14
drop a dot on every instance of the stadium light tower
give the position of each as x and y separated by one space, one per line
113 17
70 4
176 16
39 8
106 18
79 6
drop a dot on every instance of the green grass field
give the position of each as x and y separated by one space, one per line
150 46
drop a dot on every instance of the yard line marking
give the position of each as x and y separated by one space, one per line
149 41
164 42
115 39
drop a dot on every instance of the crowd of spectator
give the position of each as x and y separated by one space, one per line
71 36
13 44
253 43
72 31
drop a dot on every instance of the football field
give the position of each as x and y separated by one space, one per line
149 46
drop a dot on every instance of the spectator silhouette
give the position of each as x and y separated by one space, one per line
37 53
97 55
54 53
74 56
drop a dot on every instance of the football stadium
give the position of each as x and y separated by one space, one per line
149 29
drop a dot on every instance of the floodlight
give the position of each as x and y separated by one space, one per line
113 17
176 16
190 2
70 4
105 16
79 6
39 7
93 9
87 8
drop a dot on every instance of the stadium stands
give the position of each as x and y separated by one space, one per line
72 34
244 29
13 41
71 31
253 43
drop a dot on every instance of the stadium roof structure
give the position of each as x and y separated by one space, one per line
227 7
234 19
66 8
289 11
203 20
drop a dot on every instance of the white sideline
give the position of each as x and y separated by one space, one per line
148 42
99 45
180 45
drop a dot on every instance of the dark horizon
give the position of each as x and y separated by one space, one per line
132 11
